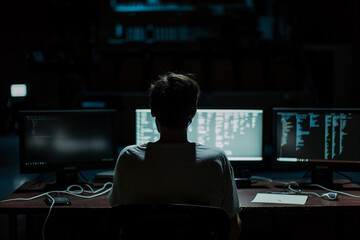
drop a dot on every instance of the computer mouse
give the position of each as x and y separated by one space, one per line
330 196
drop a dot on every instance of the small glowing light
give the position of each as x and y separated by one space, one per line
18 90
88 104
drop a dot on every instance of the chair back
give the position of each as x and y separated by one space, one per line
169 221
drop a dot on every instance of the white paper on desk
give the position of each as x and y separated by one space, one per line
280 198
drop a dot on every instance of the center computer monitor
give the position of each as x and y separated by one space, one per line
322 140
238 132
65 141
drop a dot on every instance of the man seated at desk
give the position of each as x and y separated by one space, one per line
174 170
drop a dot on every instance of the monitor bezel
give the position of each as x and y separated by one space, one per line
66 166
283 165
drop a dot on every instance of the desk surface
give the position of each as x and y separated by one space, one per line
38 204
332 220
246 195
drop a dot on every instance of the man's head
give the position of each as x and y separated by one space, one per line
173 99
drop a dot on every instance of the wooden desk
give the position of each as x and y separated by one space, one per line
317 219
83 219
87 218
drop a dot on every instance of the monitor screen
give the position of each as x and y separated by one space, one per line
239 132
317 137
54 140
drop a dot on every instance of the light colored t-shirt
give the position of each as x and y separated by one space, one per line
187 173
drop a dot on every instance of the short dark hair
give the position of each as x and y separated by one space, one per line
174 98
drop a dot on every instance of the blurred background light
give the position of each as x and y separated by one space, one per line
18 90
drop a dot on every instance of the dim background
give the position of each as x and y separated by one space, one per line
247 53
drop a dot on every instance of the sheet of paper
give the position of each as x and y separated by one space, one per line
280 198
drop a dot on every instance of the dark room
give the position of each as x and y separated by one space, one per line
180 119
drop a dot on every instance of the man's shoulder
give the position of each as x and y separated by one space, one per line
133 149
207 151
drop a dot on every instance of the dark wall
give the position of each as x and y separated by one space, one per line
255 53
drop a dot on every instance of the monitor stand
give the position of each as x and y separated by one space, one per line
323 177
64 179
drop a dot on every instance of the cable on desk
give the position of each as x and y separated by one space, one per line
288 185
69 191
299 191
48 215
288 189
335 191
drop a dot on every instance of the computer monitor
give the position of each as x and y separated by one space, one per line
65 141
322 140
239 132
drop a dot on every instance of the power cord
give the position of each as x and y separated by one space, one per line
69 191
330 195
48 215
335 191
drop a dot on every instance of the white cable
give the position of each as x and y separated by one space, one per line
302 192
30 198
339 192
88 197
80 191
91 189
47 217
297 191
96 193
68 191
